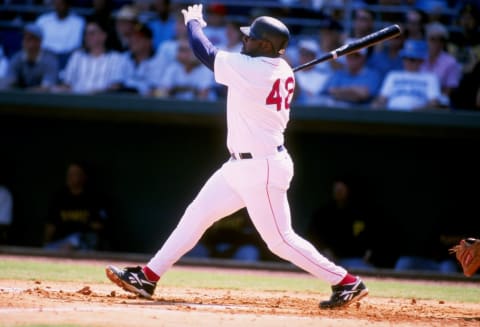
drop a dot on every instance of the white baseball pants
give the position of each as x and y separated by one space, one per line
260 185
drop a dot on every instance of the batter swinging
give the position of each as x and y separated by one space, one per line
258 173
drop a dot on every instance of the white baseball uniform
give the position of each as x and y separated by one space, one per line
260 90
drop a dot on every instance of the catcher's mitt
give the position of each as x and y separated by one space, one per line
468 254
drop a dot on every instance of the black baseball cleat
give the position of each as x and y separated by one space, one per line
343 295
131 279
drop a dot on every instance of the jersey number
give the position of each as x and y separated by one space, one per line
274 97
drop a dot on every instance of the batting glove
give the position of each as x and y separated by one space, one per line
194 13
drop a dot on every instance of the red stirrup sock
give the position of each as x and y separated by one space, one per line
348 279
151 276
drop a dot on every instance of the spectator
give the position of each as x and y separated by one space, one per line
434 8
233 36
331 37
186 78
310 81
464 42
166 53
103 12
32 68
410 89
363 24
387 57
3 63
355 85
216 24
125 20
78 215
343 212
414 24
62 30
162 23
94 68
142 69
440 62
467 95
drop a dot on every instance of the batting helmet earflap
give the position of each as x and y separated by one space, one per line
270 29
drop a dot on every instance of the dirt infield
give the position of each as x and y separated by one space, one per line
103 304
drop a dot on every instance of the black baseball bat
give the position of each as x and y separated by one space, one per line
384 34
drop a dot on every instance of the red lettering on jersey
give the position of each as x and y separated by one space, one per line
275 97
289 86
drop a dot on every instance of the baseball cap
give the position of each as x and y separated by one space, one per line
309 45
34 29
415 49
436 29
127 13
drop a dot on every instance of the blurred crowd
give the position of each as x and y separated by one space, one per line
141 47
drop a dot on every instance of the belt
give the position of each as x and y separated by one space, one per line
248 155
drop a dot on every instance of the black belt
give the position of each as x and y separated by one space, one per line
248 155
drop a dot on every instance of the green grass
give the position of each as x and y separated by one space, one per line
88 273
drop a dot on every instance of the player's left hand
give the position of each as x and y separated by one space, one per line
194 13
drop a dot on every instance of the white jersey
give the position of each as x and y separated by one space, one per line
260 90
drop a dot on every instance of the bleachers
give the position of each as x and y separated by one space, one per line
299 17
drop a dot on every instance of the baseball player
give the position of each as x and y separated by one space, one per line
258 173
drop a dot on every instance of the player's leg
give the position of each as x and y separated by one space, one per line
214 201
270 213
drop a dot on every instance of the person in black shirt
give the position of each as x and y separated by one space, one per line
343 212
78 215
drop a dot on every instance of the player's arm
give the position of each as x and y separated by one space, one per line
203 49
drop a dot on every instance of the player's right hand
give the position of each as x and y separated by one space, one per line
194 13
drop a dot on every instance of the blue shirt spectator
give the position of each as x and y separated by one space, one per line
162 24
410 89
355 85
32 67
387 57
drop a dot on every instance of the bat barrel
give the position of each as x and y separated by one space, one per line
366 41
369 40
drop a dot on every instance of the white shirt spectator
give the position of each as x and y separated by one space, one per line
187 84
6 204
166 53
311 83
410 90
88 74
61 35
